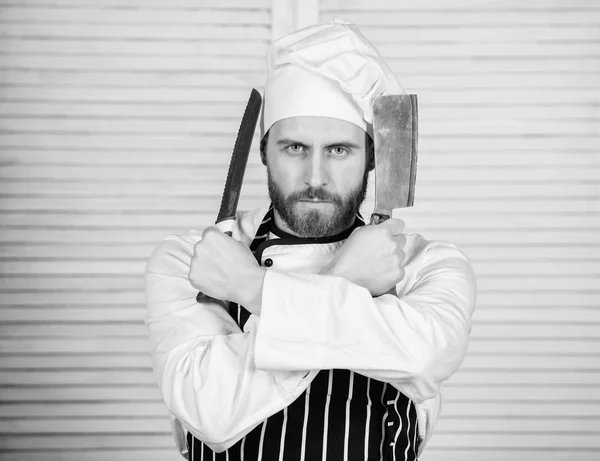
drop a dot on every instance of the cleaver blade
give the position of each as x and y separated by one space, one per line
395 131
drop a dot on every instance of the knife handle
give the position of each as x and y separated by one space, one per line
378 218
200 297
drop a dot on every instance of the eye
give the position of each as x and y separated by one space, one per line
295 148
339 150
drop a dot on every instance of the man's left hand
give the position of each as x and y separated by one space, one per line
225 269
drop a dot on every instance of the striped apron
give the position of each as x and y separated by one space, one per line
342 415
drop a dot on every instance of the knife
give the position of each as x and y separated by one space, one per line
239 160
237 168
395 130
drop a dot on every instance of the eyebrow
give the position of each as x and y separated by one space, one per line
286 141
347 144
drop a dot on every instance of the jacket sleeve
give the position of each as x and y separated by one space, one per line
203 362
414 341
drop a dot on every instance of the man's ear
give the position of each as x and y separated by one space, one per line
371 162
263 157
263 148
370 152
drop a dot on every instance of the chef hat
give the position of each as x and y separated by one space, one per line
327 70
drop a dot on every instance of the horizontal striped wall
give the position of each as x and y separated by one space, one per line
117 120
509 170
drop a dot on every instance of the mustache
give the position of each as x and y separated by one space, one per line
312 193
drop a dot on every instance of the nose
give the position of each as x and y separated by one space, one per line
316 174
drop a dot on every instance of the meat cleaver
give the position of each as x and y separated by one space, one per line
395 131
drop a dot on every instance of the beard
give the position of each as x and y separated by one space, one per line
316 223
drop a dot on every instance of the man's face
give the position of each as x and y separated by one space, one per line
317 174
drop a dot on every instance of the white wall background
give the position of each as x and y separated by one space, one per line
117 119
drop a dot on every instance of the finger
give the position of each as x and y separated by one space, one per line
208 230
401 257
395 225
400 240
401 275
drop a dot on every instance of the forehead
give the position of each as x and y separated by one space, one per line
322 129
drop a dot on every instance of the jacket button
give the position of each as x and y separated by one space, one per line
268 262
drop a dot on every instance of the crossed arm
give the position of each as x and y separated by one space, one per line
221 381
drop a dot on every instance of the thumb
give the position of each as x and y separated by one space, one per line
395 225
208 231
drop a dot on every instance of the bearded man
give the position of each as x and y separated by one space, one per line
319 360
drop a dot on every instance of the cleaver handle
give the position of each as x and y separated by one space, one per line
378 218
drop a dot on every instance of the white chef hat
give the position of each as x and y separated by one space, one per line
327 70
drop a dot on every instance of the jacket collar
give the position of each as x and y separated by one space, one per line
262 240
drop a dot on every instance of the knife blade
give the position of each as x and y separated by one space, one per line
395 130
239 160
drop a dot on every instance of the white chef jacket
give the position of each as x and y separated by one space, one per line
219 382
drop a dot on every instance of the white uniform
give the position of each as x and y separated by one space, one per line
219 382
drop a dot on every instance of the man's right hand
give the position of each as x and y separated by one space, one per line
225 269
372 257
